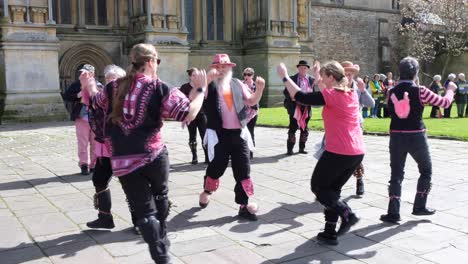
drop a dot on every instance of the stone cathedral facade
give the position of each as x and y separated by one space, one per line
45 42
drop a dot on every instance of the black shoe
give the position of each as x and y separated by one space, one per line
91 170
359 187
103 221
290 152
347 223
302 151
84 169
330 239
244 213
423 211
394 219
194 161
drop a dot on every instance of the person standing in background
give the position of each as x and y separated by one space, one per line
451 78
461 96
249 74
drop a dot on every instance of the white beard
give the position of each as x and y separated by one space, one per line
224 81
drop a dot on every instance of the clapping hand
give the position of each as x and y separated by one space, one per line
316 70
260 83
212 75
361 85
281 70
200 79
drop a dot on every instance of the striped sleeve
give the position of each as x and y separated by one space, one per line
429 97
100 99
175 105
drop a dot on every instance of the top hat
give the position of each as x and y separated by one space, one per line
303 63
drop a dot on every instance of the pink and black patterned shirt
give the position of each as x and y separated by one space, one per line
136 140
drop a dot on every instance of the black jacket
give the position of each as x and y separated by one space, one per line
73 103
288 103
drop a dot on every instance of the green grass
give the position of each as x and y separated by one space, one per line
453 127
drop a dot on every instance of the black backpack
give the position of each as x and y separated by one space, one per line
99 118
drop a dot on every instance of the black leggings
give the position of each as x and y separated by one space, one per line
143 185
102 174
330 174
198 123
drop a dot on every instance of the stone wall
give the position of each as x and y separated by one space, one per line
350 34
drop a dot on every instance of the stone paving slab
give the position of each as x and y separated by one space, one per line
45 203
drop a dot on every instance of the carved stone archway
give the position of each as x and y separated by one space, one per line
74 58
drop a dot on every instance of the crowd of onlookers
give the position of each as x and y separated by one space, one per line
381 83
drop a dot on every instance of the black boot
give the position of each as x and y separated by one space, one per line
135 228
102 202
151 232
329 235
302 148
348 218
290 143
193 148
359 173
393 211
163 206
420 200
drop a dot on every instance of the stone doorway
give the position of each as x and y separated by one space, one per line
74 58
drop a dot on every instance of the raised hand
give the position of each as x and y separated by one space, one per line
200 79
281 70
452 86
212 75
316 70
360 84
260 83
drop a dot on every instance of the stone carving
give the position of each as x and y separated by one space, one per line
158 21
26 36
287 27
38 15
302 12
172 22
276 26
18 13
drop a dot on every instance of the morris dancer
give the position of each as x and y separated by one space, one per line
408 136
365 100
139 157
299 115
344 148
198 123
228 105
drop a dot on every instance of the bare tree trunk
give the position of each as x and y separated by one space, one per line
446 63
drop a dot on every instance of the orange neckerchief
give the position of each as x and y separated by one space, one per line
227 95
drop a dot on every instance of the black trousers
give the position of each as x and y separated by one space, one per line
434 111
102 174
447 111
415 144
251 127
143 185
293 127
198 123
330 174
231 145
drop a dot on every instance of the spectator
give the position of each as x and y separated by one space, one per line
249 74
389 83
451 78
461 96
436 87
376 90
79 115
365 110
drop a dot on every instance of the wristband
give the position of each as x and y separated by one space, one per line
200 89
285 79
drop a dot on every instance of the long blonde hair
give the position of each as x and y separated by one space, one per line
139 55
335 69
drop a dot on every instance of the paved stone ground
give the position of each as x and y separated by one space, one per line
44 205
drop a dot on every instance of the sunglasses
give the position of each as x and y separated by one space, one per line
248 74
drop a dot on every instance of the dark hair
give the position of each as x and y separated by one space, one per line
139 55
191 70
409 68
